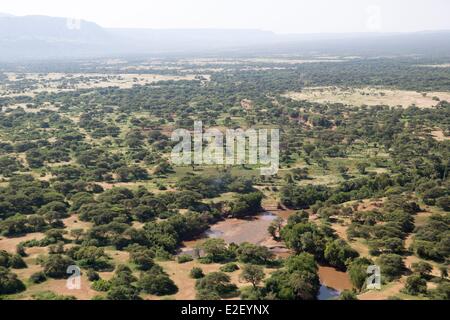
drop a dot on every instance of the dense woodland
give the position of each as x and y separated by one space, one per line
101 155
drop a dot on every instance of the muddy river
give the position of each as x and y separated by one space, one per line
254 230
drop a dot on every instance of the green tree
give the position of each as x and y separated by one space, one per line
348 295
338 253
55 266
218 283
157 283
422 267
357 271
253 274
9 283
391 265
215 249
415 285
196 273
123 293
254 254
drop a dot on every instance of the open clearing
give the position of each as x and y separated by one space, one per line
58 82
10 244
369 96
179 273
439 135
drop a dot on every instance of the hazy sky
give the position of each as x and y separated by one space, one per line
281 16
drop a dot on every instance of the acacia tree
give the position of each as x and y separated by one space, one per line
253 274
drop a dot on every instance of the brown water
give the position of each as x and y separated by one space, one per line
253 230
335 279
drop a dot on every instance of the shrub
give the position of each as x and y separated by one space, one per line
55 266
184 258
158 284
196 273
49 295
415 285
254 254
92 275
123 293
101 285
347 295
9 283
229 267
338 254
218 283
8 260
38 277
391 265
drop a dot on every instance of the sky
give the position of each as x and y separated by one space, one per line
280 16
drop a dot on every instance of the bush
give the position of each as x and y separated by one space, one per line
196 273
444 203
442 292
123 293
38 277
184 258
92 275
55 266
158 284
207 295
422 267
8 260
348 295
49 295
217 284
391 265
339 254
101 285
229 267
254 254
298 281
9 283
253 274
216 250
17 262
246 205
143 258
415 285
357 271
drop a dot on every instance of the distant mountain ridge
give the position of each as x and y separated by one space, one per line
42 37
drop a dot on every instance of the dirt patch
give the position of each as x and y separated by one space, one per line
341 230
61 82
119 257
25 274
10 244
357 243
370 205
409 260
369 96
247 104
443 65
439 135
387 291
179 273
60 287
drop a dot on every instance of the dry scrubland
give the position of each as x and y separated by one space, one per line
370 97
327 151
